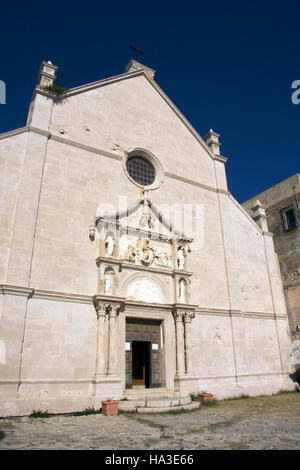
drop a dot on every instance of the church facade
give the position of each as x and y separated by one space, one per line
126 265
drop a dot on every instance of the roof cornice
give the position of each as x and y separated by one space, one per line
20 130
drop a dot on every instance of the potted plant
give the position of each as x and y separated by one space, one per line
110 407
206 397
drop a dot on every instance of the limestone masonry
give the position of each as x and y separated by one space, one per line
283 212
127 269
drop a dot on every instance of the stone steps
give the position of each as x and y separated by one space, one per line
149 393
158 404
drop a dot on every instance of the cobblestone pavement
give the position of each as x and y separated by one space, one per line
251 423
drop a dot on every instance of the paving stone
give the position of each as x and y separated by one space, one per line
259 423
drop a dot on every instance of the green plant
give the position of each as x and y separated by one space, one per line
238 397
179 411
55 89
39 414
127 412
87 411
194 397
56 93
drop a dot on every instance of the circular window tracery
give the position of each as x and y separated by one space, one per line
141 170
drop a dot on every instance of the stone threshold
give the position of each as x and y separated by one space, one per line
158 404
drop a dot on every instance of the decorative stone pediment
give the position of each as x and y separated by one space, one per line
140 239
143 232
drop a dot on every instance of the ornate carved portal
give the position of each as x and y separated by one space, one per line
142 264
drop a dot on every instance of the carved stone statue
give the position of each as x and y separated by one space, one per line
180 257
131 253
162 257
147 219
107 286
146 253
109 245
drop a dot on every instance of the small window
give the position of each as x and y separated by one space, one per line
289 219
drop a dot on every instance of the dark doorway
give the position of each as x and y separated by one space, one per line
141 363
143 355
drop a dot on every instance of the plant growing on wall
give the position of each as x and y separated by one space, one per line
56 92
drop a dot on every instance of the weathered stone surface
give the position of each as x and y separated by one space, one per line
276 200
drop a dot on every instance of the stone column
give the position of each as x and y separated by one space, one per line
101 359
187 319
179 343
112 354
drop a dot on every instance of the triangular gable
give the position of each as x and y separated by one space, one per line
127 76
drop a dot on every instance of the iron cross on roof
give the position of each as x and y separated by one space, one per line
137 52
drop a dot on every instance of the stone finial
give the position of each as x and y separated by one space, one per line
259 215
134 66
47 74
212 140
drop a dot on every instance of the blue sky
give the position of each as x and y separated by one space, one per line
226 65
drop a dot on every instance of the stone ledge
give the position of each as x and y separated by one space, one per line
164 409
17 290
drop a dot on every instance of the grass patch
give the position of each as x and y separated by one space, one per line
6 425
39 414
178 412
239 397
237 445
147 422
127 412
149 442
45 414
87 411
213 426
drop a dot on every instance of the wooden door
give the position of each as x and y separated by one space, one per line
146 336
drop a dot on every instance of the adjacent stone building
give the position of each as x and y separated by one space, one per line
127 268
281 203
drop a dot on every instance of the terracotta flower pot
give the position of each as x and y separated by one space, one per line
206 397
110 407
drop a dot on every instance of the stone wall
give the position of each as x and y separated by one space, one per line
67 164
286 243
